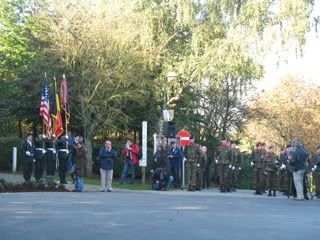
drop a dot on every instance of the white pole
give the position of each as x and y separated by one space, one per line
14 159
183 172
154 143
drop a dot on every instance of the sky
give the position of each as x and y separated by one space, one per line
307 66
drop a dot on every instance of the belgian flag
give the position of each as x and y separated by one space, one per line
56 113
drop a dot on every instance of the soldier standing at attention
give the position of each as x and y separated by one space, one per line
316 169
203 167
236 161
271 168
28 153
51 157
63 153
192 155
223 158
258 164
39 156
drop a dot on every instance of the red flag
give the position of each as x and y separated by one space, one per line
64 90
64 97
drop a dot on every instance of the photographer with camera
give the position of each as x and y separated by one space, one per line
130 155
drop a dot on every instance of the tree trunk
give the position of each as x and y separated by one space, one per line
89 157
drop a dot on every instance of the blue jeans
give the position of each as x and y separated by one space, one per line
128 168
78 184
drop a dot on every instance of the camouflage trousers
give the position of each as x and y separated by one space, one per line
259 179
191 173
284 181
272 180
225 175
316 176
235 178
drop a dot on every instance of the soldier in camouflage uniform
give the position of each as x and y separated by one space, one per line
192 155
315 163
223 158
201 173
283 175
39 156
236 161
258 164
271 162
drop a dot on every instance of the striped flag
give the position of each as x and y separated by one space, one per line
45 108
56 113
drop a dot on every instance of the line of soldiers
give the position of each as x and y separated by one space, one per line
271 171
229 161
47 154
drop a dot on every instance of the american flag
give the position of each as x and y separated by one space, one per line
45 109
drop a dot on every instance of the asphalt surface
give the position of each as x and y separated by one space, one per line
156 215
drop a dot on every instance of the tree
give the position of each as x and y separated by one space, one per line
290 111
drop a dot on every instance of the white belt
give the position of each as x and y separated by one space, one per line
63 150
41 149
51 149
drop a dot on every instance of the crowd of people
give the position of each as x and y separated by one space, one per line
289 172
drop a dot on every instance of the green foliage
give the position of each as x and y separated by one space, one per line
6 145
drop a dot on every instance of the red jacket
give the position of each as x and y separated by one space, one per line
134 153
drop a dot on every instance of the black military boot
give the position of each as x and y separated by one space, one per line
274 193
269 195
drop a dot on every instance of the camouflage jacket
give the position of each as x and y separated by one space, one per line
223 154
192 153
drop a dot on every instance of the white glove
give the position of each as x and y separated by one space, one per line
276 162
198 165
230 166
67 151
34 160
28 153
283 167
233 168
240 168
252 164
184 159
67 137
315 167
44 151
54 151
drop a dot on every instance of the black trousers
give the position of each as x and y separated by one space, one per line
27 170
63 168
38 168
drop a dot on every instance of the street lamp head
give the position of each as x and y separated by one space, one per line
168 114
171 76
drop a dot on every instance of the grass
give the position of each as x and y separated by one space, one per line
115 184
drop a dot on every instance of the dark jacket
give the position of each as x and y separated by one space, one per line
175 157
107 158
26 147
299 158
80 161
160 159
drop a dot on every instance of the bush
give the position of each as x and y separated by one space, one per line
6 145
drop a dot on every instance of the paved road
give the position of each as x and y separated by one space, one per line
156 215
